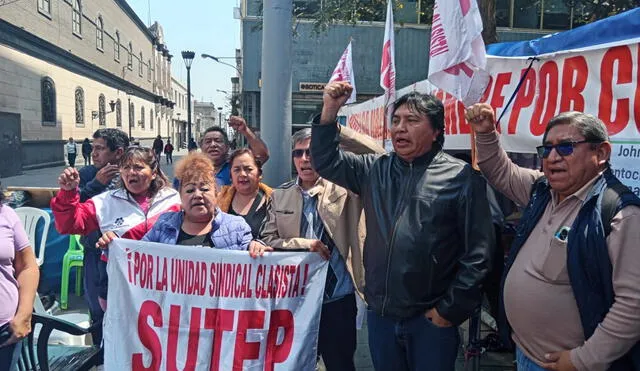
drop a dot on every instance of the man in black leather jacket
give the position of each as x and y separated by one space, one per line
429 232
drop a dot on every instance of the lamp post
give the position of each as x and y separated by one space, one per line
221 62
188 56
235 98
220 116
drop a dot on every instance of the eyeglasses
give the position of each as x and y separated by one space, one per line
563 149
299 152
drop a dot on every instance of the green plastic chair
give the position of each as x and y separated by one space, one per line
72 258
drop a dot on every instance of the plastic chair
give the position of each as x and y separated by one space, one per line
30 217
72 258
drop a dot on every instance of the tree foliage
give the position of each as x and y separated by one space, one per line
587 11
324 13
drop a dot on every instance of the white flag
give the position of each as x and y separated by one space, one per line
457 58
388 65
344 72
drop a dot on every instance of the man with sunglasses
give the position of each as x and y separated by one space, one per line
311 213
570 289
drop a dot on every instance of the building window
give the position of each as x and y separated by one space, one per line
130 56
151 119
503 13
534 14
48 91
119 113
132 114
149 70
79 95
555 15
116 47
142 117
102 111
76 18
140 66
44 6
100 34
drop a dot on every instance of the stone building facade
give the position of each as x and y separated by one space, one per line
70 67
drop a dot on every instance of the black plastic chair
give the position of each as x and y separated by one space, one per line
38 359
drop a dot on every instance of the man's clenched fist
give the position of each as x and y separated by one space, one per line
481 117
335 96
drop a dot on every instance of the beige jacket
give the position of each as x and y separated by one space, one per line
340 211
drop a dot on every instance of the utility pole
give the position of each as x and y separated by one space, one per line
275 98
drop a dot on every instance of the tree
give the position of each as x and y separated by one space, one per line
324 13
587 11
329 12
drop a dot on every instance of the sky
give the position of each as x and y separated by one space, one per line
203 26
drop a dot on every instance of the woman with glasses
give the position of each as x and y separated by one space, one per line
19 275
201 222
128 212
247 196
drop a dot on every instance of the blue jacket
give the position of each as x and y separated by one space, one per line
588 262
228 232
89 185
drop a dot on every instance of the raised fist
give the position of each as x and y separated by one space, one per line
69 179
481 117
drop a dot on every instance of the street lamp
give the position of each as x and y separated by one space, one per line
220 116
188 56
221 62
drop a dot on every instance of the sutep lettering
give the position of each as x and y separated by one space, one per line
218 322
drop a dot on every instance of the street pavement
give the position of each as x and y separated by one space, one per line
47 177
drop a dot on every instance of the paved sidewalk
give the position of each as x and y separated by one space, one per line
48 177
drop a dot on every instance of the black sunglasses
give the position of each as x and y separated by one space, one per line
563 149
300 152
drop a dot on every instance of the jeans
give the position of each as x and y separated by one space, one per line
9 356
411 344
93 273
71 157
525 363
337 337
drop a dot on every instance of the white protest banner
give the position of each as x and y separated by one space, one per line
388 64
602 81
193 308
457 58
625 162
344 72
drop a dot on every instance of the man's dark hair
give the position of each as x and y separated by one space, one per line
589 126
219 130
428 105
114 138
